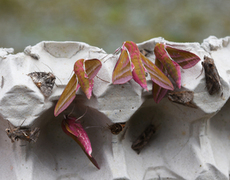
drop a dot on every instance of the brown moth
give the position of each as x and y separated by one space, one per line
28 52
26 134
182 97
116 128
44 81
211 76
143 139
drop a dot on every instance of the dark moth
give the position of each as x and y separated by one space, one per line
143 139
211 76
116 128
44 81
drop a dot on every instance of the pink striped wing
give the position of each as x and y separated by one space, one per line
75 130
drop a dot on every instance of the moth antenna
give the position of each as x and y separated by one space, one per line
22 123
107 125
66 116
114 53
124 132
104 57
51 71
9 124
102 79
37 67
47 66
88 127
117 50
99 77
2 84
201 72
83 114
71 111
59 80
71 75
88 55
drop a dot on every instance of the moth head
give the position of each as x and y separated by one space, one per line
8 131
51 75
210 65
116 128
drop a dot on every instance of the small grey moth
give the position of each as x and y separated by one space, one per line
26 134
44 81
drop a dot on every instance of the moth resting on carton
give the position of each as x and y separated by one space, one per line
44 81
143 138
22 133
182 97
116 128
212 76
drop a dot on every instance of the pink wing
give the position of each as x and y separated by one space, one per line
159 92
172 67
139 70
92 67
156 74
122 71
75 130
67 96
185 59
85 83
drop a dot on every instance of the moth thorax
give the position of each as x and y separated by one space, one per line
8 131
116 128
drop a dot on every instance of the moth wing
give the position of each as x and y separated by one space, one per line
76 131
158 91
85 82
92 67
67 96
156 74
139 70
172 67
184 58
122 72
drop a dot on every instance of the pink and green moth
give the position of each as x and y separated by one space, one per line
73 128
171 59
84 72
132 64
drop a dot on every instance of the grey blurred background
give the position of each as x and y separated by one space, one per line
106 24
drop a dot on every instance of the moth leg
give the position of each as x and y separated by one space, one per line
83 114
201 71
